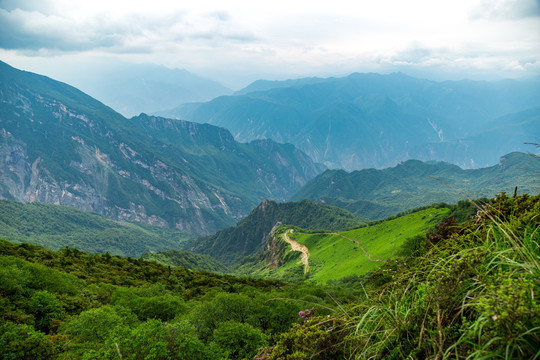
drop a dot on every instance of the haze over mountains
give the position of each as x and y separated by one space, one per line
372 120
61 146
131 89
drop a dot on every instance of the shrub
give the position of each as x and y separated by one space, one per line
238 341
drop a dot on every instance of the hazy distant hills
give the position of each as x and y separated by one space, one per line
251 234
508 132
60 146
132 89
373 194
372 120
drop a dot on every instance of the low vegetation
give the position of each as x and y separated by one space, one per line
460 290
72 305
464 291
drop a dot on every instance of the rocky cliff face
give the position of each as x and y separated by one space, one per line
59 146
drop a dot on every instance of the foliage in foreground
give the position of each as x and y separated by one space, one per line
72 305
466 291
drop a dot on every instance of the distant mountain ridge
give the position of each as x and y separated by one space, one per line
372 120
60 146
376 194
131 89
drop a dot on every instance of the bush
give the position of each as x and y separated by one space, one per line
23 342
95 325
238 341
45 307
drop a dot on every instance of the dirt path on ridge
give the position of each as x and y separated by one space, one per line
360 246
296 246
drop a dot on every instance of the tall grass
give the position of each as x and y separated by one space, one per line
472 295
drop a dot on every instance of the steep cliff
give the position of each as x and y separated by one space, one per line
60 146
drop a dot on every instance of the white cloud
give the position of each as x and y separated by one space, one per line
293 37
506 9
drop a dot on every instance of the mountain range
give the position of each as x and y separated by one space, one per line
59 145
374 194
372 120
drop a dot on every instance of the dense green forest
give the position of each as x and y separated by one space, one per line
186 259
461 290
56 227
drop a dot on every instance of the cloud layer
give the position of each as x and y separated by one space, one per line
282 36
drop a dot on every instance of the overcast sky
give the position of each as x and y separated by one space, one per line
238 41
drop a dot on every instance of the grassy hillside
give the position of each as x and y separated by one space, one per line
250 235
467 291
375 193
335 255
56 227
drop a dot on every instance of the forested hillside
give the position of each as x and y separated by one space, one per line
375 194
55 227
185 259
73 305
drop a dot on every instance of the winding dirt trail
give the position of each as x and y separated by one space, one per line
360 246
296 246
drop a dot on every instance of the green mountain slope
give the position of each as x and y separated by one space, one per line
56 227
252 233
336 255
371 120
58 145
186 259
375 193
468 291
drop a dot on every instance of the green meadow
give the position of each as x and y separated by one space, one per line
337 255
